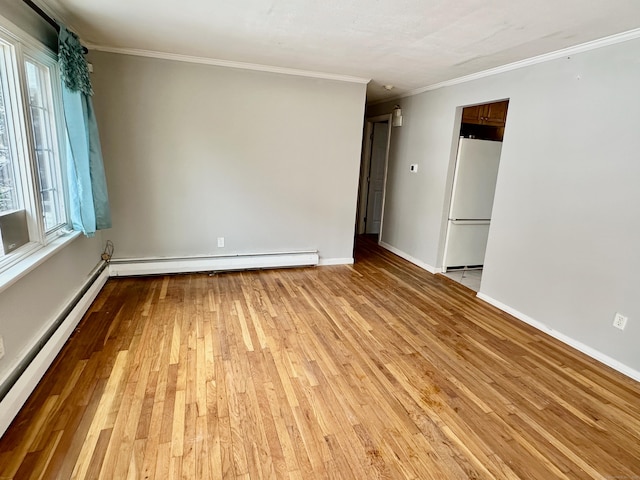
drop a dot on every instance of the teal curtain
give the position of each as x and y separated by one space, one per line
89 201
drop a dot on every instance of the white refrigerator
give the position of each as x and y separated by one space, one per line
474 185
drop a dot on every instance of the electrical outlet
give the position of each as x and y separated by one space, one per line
220 242
620 321
1 347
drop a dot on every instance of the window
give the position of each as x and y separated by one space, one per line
32 194
8 192
45 145
9 199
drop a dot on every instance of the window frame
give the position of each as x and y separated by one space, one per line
16 48
54 92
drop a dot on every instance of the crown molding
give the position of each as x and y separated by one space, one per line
229 64
583 47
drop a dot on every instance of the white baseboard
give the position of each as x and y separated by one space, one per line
162 266
335 261
409 258
587 350
24 386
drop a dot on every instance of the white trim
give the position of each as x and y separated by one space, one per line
24 386
228 63
365 167
385 174
162 266
587 350
545 57
409 258
325 262
365 161
380 118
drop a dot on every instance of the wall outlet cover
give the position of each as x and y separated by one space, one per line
220 242
620 321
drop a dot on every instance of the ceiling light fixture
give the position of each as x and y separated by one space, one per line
387 87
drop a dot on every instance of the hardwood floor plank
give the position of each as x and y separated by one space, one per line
99 453
101 419
163 461
272 456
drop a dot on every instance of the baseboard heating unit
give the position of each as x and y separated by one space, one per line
123 267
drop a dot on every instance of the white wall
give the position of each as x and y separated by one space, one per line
195 152
565 234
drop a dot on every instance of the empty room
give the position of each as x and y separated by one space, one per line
274 239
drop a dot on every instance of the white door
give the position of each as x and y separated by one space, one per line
376 177
474 183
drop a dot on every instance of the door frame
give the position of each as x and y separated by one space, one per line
449 185
365 167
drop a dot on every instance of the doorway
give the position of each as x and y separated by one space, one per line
373 173
472 192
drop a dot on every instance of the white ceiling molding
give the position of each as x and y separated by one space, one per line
230 64
565 52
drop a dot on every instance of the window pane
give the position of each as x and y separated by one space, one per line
49 178
8 192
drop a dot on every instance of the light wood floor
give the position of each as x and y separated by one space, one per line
377 370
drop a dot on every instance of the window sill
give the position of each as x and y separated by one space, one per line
34 259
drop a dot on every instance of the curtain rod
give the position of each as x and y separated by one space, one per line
43 14
48 19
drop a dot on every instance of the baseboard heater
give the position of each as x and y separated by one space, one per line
123 267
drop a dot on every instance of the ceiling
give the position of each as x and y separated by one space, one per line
409 44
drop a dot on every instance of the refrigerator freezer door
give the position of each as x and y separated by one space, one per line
466 243
475 178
